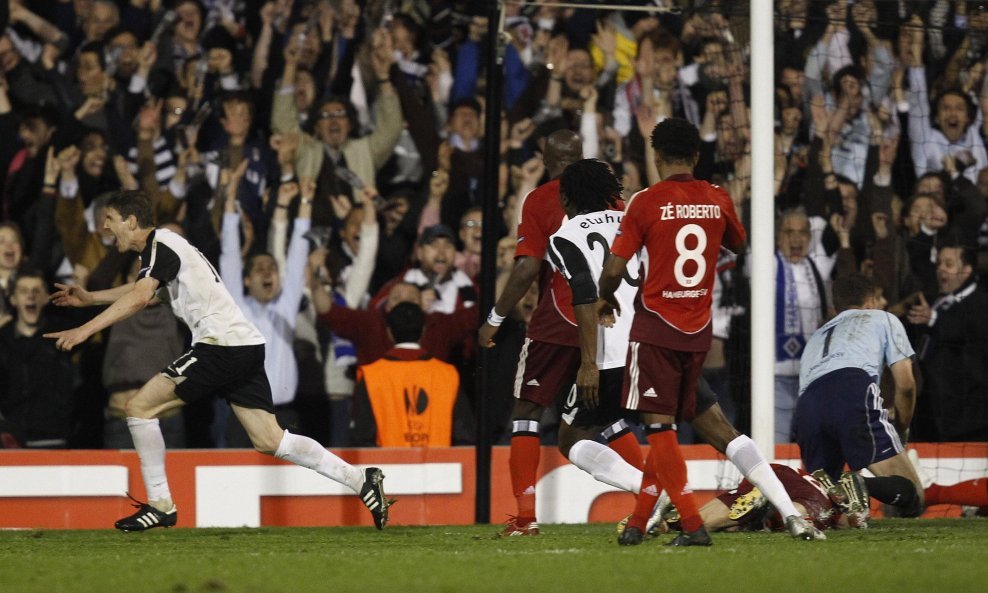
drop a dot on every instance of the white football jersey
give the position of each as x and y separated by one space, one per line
580 246
195 292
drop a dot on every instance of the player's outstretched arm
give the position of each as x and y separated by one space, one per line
521 278
140 296
71 296
77 296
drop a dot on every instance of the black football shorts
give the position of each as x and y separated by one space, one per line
235 373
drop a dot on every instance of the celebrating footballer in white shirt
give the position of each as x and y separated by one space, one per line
226 359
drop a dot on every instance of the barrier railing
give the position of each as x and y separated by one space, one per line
232 488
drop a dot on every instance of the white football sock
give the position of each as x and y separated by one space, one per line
150 447
743 453
605 465
308 453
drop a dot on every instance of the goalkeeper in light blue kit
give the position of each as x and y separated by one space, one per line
840 417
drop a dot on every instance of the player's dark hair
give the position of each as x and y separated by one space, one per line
590 185
133 202
405 321
852 291
676 140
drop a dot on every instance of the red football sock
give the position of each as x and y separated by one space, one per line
648 493
970 493
670 468
628 448
524 464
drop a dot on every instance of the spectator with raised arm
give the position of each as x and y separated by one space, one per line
351 260
949 129
235 145
445 289
334 144
270 303
443 335
82 239
656 75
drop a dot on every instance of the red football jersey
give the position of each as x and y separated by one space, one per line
541 215
677 227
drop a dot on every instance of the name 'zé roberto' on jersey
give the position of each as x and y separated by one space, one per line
677 227
578 250
196 294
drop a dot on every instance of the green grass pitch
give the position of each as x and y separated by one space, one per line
895 555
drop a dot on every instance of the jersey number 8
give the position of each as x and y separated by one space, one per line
686 254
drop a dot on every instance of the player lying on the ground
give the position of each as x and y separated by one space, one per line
745 507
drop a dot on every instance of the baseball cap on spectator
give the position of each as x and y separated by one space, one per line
436 231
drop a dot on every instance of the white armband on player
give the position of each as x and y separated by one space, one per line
494 319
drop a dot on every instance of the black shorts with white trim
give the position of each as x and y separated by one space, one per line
235 373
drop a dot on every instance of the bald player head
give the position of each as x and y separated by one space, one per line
562 148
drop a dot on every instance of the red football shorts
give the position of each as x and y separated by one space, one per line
660 380
545 371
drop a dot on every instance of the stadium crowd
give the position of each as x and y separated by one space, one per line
326 158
